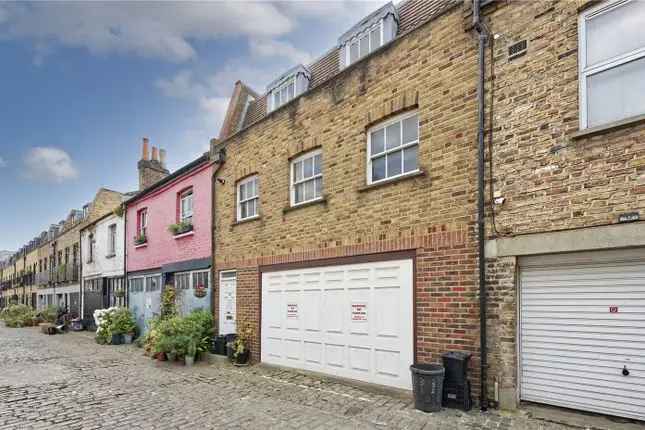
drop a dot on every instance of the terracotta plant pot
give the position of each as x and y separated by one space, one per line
161 356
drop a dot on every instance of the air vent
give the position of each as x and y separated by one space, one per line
517 50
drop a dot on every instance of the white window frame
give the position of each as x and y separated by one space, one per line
256 197
111 239
383 125
143 221
278 90
141 288
190 285
186 195
292 177
182 274
584 71
357 39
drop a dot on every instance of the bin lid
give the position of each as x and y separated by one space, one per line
457 355
427 369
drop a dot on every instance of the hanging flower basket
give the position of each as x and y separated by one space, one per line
200 291
119 293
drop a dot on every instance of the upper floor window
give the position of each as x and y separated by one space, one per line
612 63
186 206
111 245
284 94
90 248
142 222
287 87
393 148
306 178
247 198
372 32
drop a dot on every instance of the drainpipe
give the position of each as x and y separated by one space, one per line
219 157
482 32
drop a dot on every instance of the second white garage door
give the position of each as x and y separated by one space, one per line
352 321
583 331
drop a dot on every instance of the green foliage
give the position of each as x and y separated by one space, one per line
242 341
181 227
140 239
168 308
183 335
122 322
18 316
50 313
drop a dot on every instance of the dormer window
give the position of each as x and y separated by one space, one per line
287 87
371 33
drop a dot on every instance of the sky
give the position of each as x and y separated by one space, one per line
82 82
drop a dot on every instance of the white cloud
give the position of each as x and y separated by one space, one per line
275 48
163 30
181 86
49 164
3 163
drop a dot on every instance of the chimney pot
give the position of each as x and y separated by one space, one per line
155 153
144 149
162 157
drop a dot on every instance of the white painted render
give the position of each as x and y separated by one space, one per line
103 265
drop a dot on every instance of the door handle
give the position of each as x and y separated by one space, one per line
625 371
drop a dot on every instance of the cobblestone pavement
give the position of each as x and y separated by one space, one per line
69 382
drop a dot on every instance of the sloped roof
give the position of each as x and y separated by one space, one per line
412 14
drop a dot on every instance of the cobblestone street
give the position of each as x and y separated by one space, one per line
70 382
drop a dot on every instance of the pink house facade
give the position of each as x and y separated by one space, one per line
168 239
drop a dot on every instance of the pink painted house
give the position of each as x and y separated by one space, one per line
168 235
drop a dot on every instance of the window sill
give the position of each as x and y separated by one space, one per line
320 201
141 245
179 236
609 127
245 220
412 175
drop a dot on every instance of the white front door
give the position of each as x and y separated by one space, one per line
227 302
582 331
352 321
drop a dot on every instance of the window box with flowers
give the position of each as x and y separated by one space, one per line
180 228
140 239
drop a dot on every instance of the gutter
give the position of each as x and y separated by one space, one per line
483 34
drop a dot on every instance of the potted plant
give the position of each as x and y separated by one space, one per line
241 344
200 291
180 228
120 293
140 239
163 346
191 350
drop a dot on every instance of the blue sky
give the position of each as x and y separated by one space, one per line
82 83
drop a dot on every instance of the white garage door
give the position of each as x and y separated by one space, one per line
583 331
352 321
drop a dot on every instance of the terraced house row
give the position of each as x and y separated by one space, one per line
452 175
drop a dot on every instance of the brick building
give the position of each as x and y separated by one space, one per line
302 195
168 236
566 245
345 207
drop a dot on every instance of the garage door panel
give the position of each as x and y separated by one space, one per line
311 306
354 321
611 356
590 376
580 324
333 310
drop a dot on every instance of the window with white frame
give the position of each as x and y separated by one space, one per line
284 93
186 206
306 178
393 148
365 43
612 62
182 281
111 240
142 222
153 283
136 285
247 198
201 278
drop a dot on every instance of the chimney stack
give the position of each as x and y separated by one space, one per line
144 149
151 169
